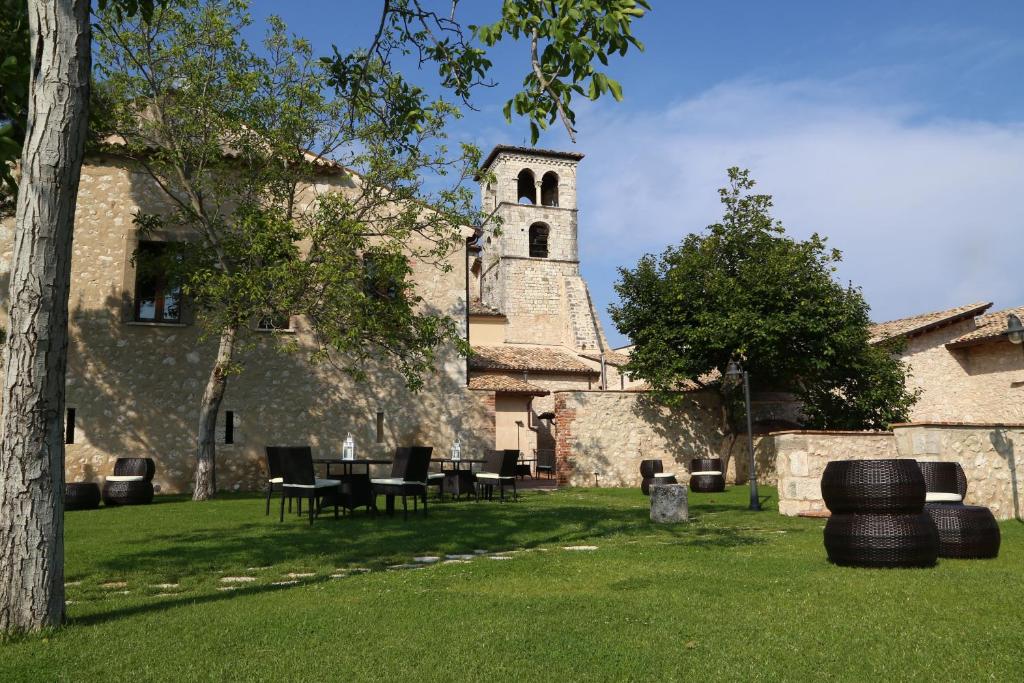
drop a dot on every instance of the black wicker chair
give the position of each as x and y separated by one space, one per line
299 480
651 473
408 478
706 475
81 495
499 469
131 483
274 474
878 517
965 531
546 461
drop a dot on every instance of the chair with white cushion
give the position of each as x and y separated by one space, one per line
652 474
299 480
274 476
499 469
706 475
409 472
131 483
965 531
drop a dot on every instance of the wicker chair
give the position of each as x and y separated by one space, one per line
546 461
499 469
81 495
706 475
965 531
299 480
274 474
408 477
878 517
651 473
131 483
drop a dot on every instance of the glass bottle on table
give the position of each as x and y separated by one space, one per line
348 450
456 451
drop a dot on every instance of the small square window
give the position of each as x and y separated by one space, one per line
157 296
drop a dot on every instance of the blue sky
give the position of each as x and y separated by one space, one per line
896 129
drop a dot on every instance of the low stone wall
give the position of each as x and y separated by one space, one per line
609 433
989 454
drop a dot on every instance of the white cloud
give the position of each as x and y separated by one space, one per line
926 212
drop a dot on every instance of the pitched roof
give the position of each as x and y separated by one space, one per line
918 324
610 357
506 384
532 151
533 358
477 307
988 327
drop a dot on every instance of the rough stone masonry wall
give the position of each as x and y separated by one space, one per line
136 386
983 383
611 432
992 457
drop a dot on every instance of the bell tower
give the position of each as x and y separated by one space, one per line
530 264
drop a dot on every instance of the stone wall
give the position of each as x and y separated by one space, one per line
982 383
611 432
992 456
135 387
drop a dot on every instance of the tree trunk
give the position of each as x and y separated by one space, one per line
35 355
206 450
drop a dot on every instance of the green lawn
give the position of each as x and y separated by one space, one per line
734 595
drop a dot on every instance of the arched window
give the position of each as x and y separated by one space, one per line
539 240
549 189
527 188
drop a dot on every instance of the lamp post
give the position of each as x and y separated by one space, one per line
735 371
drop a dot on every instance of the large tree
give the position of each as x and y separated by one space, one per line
745 290
564 37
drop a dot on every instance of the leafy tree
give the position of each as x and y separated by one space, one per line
14 61
745 290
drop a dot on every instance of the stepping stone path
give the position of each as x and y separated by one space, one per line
256 569
228 588
456 562
110 585
164 585
72 583
580 547
238 579
300 575
460 558
426 559
406 566
284 583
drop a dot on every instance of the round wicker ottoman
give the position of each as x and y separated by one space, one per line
706 475
881 540
878 517
81 495
965 531
127 493
649 471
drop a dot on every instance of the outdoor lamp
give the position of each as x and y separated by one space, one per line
735 371
1014 329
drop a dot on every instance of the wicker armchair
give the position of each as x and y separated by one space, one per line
499 469
965 531
299 480
131 483
651 473
409 473
706 475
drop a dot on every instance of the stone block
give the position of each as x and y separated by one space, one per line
669 504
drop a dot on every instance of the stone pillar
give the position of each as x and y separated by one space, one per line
669 504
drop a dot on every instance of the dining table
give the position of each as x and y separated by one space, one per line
458 477
356 490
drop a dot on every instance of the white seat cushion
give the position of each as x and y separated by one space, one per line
276 480
126 477
491 475
706 474
395 481
664 475
433 476
320 484
942 497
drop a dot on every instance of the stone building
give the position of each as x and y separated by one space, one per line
138 363
963 364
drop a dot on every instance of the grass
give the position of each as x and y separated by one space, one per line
734 595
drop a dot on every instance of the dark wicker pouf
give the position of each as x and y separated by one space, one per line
127 493
873 486
81 495
965 531
648 468
707 483
882 540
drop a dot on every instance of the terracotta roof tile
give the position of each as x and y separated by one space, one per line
989 326
529 358
920 323
506 384
477 307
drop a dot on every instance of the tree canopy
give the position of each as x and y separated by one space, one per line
745 290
